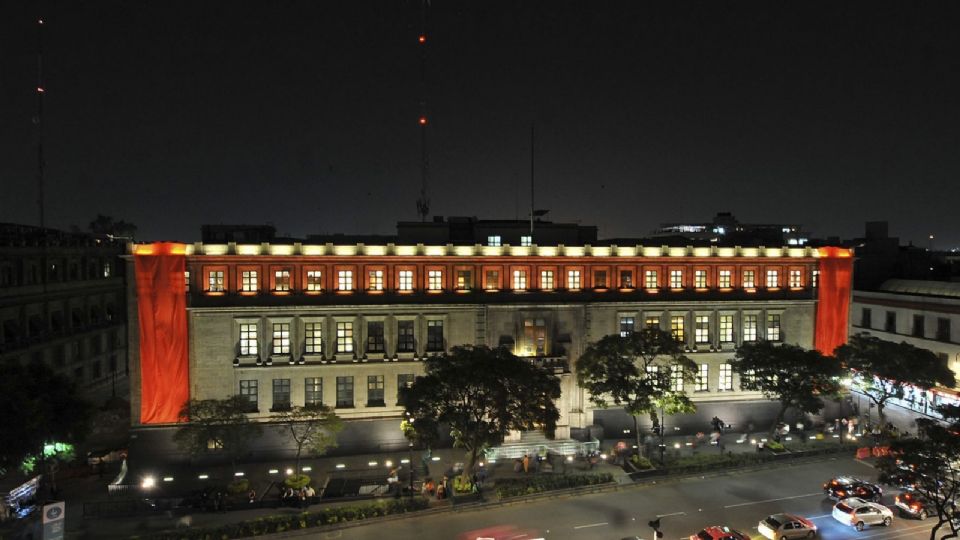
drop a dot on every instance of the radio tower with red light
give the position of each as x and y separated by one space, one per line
423 202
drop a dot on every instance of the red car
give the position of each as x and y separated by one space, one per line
719 533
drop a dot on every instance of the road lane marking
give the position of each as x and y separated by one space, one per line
895 531
865 463
773 500
591 525
673 514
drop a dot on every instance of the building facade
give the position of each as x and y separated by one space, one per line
349 325
62 303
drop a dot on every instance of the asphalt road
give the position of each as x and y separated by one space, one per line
738 500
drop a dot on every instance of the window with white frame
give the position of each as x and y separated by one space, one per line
281 338
248 339
702 382
313 337
493 279
749 279
653 376
375 391
773 327
313 391
723 279
434 280
676 378
650 279
676 279
344 337
626 326
248 281
376 280
546 280
526 241
676 328
519 280
749 327
815 279
534 337
215 281
726 328
464 280
700 279
725 381
573 279
345 280
405 280
375 341
435 335
701 329
281 395
186 280
652 322
249 390
281 280
773 279
314 281
796 279
345 392
493 240
405 339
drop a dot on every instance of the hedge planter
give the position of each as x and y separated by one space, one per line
518 487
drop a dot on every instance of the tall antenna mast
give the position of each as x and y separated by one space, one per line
532 147
38 121
423 202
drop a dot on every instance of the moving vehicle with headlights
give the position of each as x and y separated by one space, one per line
912 504
860 513
718 532
786 527
842 487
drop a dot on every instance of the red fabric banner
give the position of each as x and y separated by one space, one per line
162 308
833 300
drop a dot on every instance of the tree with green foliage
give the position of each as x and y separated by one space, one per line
635 372
43 408
219 425
885 369
312 428
792 375
930 464
481 394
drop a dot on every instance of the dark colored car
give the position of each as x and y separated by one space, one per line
843 487
915 505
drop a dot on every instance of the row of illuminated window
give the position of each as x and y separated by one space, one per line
313 393
344 338
249 281
702 327
701 382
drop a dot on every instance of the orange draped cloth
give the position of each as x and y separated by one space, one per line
833 300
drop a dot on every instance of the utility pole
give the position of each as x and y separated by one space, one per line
532 151
423 202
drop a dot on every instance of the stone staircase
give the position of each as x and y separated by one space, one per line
535 442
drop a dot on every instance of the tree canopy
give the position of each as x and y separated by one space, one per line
886 369
794 376
481 394
635 372
107 225
217 425
312 428
43 406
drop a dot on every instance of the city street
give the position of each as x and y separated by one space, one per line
738 500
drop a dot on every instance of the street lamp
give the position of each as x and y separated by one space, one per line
410 454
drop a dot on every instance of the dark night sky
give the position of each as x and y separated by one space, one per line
173 114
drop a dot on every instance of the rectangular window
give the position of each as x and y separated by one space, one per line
376 280
747 379
943 329
281 280
344 392
866 316
405 280
573 279
796 280
723 279
626 279
493 279
281 395
702 383
534 337
773 327
626 326
313 391
186 280
815 279
405 342
248 339
600 279
464 280
676 378
700 279
676 279
375 391
281 338
653 375
519 280
526 241
702 329
314 280
652 321
749 280
890 324
726 328
434 280
650 279
749 327
404 380
215 281
725 382
918 323
493 240
313 338
344 337
248 281
248 389
375 337
106 270
546 280
676 328
345 280
435 336
773 279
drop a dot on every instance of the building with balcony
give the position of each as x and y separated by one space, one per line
348 325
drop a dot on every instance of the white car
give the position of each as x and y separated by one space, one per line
786 527
860 513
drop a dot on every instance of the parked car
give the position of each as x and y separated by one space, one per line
786 526
843 487
718 532
860 513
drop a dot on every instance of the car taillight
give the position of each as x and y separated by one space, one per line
841 493
915 506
